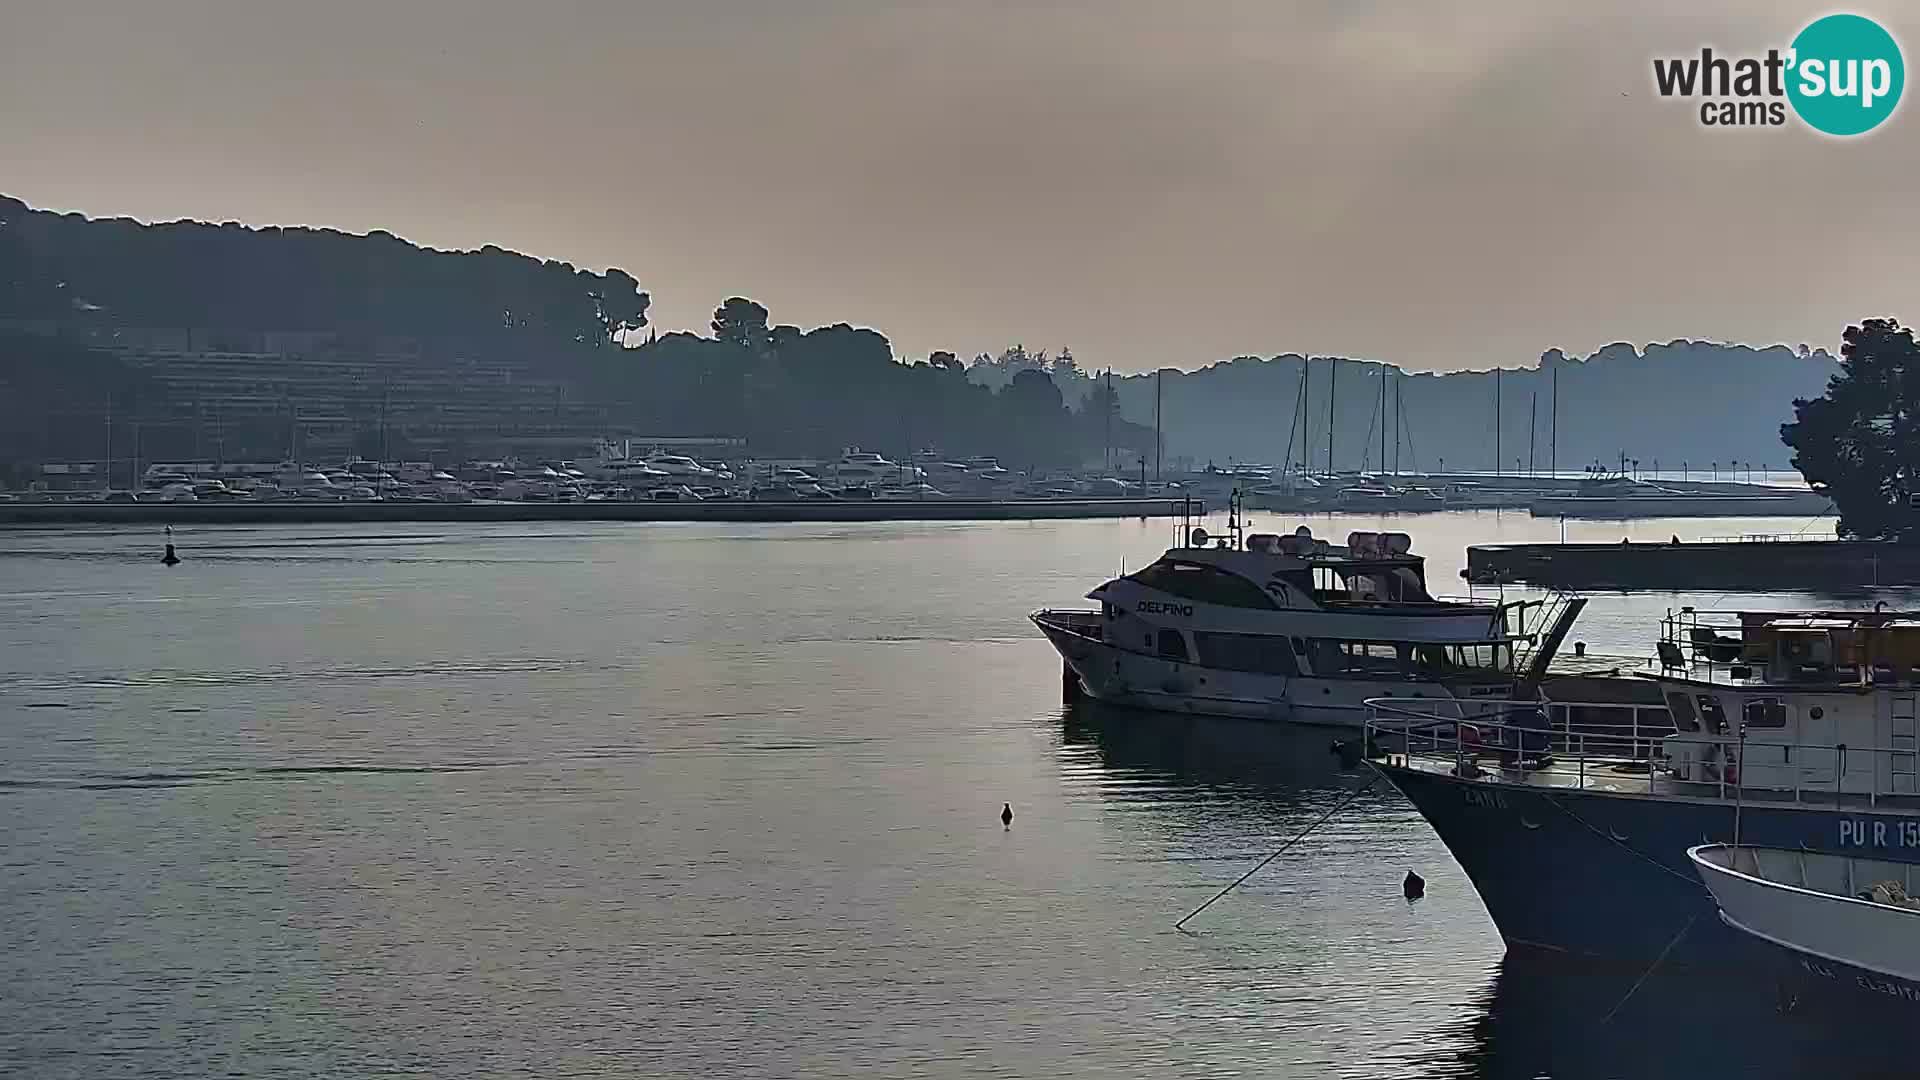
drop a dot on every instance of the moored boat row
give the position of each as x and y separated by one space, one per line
1772 809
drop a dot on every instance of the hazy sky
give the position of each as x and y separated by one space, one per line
1434 184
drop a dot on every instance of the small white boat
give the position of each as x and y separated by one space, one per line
1849 922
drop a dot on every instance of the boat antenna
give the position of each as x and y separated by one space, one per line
1739 783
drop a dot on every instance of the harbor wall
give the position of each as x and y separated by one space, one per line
309 512
1758 565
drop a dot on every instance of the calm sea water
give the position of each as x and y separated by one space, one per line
662 800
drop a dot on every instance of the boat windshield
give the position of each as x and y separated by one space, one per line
1203 584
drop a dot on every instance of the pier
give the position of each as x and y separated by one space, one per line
1755 563
307 511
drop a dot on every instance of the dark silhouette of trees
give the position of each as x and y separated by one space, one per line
790 391
1860 441
186 273
742 323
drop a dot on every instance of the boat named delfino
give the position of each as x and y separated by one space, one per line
1292 628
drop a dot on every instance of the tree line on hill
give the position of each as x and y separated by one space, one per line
796 391
788 390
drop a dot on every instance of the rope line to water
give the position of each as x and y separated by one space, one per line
1321 820
1645 975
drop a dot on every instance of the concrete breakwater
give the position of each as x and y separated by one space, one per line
315 512
1758 565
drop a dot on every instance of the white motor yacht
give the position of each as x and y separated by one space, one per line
678 465
1292 628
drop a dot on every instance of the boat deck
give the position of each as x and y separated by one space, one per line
1557 758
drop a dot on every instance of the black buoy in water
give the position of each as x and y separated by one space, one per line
1415 886
170 558
1006 815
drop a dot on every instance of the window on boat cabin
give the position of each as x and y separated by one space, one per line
1173 644
1375 658
1493 656
1300 580
1711 714
1684 718
1764 713
1381 583
1246 652
1203 584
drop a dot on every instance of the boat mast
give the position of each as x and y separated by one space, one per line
1159 441
1533 412
1293 428
1300 410
1383 418
1106 407
1333 384
1553 426
1400 416
1496 421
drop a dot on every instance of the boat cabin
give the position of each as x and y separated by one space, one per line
1804 702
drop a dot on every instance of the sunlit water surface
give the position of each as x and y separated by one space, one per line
665 800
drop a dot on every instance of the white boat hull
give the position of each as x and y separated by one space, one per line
1757 895
1118 676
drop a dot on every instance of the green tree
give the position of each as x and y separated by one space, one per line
619 305
741 323
1859 443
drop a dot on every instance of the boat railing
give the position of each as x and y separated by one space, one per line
1764 538
1513 735
1082 623
1522 739
1724 646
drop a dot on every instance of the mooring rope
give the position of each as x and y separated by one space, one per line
1645 975
1319 821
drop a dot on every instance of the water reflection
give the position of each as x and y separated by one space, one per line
1272 760
1542 1018
1431 994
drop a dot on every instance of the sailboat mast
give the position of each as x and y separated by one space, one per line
1300 409
1106 407
1383 418
1399 416
1553 429
1533 412
1333 384
1159 440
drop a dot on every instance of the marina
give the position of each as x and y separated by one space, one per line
318 512
851 752
1753 562
767 542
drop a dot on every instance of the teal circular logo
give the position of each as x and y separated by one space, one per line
1846 75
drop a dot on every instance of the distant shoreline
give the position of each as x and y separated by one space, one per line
27 515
